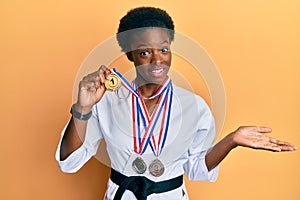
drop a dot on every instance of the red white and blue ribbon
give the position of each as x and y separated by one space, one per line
134 90
144 124
148 123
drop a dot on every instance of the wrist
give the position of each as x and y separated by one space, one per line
82 109
232 140
81 113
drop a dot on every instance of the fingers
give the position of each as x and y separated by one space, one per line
284 146
88 85
254 129
256 137
263 129
92 87
258 129
273 144
96 79
103 73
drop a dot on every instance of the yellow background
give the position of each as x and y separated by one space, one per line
255 45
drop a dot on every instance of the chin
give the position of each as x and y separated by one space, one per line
157 80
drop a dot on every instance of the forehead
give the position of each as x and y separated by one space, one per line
150 37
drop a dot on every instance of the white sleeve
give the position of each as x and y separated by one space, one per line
88 149
195 168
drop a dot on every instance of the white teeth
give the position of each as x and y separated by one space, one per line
157 71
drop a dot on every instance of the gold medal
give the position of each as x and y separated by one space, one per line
113 83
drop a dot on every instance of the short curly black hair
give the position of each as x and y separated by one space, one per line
142 17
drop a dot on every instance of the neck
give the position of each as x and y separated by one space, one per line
147 89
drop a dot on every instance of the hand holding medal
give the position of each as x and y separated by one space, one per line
93 86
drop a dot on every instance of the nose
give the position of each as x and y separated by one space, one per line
156 57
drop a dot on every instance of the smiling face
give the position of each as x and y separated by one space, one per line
151 55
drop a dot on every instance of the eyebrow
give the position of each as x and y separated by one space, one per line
145 45
165 41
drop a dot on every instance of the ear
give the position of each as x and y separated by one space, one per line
129 56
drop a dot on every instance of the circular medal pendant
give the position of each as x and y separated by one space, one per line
156 168
113 83
139 165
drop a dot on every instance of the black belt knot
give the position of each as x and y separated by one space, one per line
142 186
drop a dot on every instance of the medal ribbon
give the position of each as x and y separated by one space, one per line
166 113
134 91
141 118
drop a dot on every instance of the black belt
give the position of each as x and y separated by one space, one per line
142 186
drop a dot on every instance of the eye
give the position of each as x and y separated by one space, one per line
144 53
164 50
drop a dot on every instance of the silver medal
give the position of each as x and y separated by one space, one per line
156 168
139 165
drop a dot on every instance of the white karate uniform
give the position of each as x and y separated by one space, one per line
191 134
